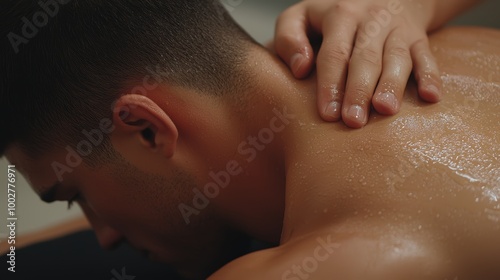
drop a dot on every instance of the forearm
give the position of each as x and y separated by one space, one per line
446 10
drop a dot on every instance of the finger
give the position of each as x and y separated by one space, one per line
333 58
396 70
292 43
364 72
426 71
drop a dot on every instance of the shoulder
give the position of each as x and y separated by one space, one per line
332 256
255 265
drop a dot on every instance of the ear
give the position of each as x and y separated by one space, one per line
140 118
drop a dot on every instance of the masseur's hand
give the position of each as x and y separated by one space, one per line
368 51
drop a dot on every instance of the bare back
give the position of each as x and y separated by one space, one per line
417 194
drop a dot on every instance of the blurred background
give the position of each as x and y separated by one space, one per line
258 18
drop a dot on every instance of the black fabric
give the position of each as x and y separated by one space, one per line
79 257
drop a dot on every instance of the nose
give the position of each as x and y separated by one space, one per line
108 237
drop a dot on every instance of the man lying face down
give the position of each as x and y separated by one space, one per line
177 133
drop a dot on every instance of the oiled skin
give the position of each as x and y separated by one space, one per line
414 196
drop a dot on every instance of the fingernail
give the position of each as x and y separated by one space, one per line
333 109
434 90
389 99
357 113
296 61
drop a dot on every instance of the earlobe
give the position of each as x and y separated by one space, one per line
141 121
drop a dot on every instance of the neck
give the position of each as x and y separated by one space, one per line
274 93
273 110
248 139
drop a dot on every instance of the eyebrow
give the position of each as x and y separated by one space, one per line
49 195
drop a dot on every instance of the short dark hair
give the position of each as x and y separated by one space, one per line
64 62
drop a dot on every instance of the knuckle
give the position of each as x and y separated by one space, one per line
345 7
399 52
340 53
370 57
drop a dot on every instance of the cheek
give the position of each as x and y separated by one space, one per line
134 205
111 203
